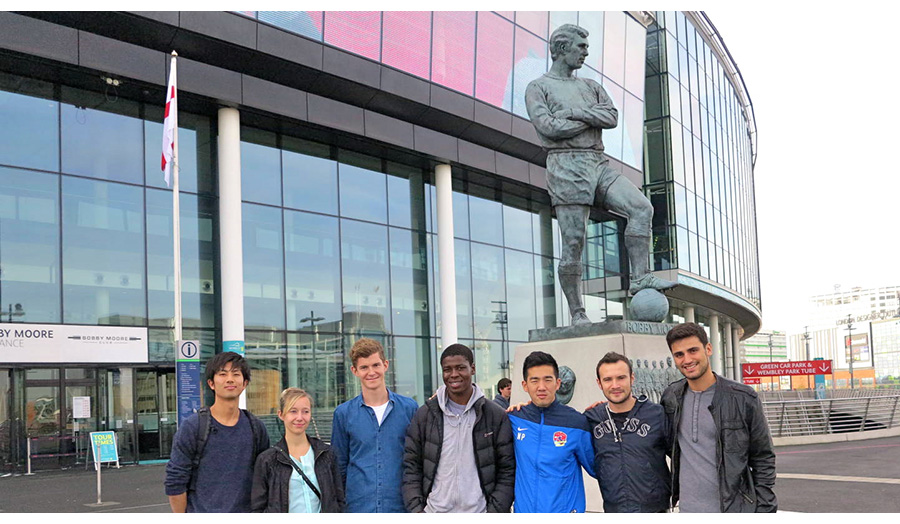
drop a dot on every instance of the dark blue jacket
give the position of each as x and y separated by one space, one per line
552 445
632 473
370 456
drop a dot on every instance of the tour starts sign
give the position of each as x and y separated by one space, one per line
58 344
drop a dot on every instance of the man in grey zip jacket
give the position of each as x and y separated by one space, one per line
722 455
459 453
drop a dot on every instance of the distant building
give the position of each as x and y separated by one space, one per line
862 304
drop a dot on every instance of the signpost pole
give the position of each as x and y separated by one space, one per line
97 466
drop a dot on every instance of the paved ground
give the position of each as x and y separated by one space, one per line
846 477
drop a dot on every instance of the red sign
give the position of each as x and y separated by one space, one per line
778 369
752 380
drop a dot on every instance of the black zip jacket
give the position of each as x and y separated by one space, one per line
631 463
745 459
272 478
494 455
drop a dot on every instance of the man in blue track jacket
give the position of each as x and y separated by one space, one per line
631 437
552 442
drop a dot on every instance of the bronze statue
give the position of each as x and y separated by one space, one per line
569 114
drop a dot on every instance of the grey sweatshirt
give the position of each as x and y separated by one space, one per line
456 488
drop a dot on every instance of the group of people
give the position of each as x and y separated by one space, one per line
705 448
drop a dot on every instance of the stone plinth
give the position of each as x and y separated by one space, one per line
580 348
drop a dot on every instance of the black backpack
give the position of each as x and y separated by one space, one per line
205 423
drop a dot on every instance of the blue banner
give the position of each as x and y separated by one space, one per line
820 385
187 375
236 346
103 445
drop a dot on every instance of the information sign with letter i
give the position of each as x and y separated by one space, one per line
187 377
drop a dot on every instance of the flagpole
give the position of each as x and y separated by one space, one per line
176 218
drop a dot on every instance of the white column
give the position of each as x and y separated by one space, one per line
718 351
736 353
728 352
446 257
230 237
689 314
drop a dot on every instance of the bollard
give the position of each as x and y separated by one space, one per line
28 451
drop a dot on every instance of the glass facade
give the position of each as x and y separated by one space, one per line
699 161
491 56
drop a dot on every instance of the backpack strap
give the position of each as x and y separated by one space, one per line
203 428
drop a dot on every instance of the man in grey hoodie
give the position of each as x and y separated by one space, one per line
459 453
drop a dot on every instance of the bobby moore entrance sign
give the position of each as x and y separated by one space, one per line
778 369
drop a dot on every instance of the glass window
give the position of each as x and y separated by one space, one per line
635 56
356 31
409 283
363 192
655 154
312 271
103 253
29 136
489 217
681 206
306 23
266 353
460 215
260 167
592 21
633 123
411 368
542 228
545 277
263 267
530 63
365 277
406 196
558 18
494 60
488 289
614 47
462 259
520 300
316 362
613 138
198 304
310 177
517 229
613 259
453 50
194 141
406 40
102 137
534 21
29 246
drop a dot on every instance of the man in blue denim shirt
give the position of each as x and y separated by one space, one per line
368 435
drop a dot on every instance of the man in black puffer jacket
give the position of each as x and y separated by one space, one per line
459 447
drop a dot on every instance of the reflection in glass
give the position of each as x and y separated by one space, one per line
197 265
29 136
263 267
267 355
101 137
365 277
531 61
614 46
517 228
29 246
363 193
310 177
316 363
489 217
312 268
409 283
103 253
412 368
260 167
520 289
488 287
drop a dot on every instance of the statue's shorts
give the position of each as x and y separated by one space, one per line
578 177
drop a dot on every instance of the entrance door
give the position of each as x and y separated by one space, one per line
82 411
42 409
156 408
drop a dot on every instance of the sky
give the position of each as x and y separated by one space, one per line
827 190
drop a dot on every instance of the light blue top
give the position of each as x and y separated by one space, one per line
303 500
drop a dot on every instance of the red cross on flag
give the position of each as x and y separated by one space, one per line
169 125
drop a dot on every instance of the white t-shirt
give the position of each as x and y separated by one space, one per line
379 411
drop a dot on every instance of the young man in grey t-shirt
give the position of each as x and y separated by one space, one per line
737 476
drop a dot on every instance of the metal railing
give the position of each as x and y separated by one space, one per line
844 411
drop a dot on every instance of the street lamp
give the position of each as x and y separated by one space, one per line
501 317
806 339
850 345
312 319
